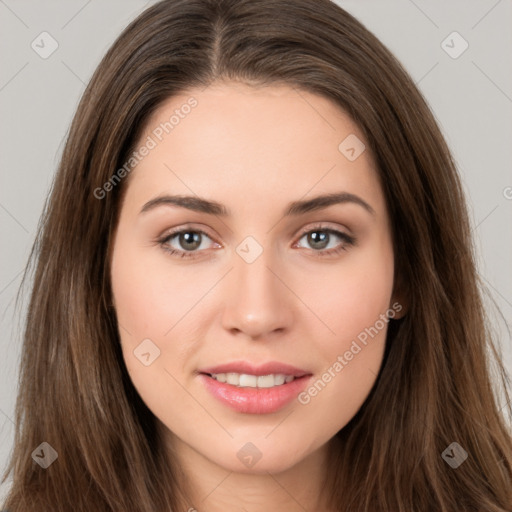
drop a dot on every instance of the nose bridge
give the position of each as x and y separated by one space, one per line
256 298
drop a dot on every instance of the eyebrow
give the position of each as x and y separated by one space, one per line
295 208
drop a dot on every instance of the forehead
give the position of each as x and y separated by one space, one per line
243 142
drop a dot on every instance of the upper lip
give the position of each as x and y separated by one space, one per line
272 367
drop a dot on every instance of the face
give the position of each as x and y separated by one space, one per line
260 284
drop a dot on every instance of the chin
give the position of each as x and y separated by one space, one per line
251 460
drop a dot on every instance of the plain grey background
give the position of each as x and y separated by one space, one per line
469 90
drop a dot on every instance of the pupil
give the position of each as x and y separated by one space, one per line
318 237
190 238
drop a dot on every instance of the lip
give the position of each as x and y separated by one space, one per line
255 400
271 367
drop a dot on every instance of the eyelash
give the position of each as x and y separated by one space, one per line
347 241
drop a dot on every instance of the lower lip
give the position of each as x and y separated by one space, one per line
255 400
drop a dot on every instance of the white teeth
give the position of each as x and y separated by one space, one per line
253 381
268 381
233 378
248 380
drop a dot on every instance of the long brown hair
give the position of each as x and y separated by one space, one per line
434 387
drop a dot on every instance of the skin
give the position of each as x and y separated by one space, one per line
254 150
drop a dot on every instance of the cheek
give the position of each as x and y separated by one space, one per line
141 303
146 311
353 302
145 292
350 297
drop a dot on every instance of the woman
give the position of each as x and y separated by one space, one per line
320 345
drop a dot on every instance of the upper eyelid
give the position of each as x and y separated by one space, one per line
185 229
322 227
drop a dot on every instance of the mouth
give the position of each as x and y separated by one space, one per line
251 389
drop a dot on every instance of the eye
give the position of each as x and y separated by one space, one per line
320 237
189 241
186 243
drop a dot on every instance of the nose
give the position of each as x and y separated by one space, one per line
259 302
